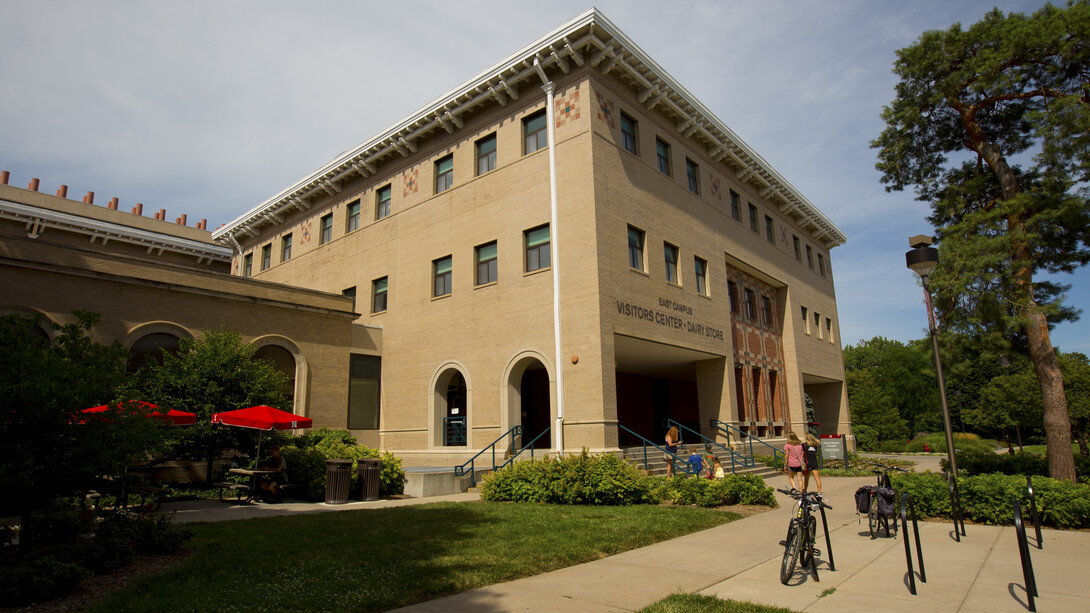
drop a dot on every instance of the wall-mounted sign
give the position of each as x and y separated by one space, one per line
669 314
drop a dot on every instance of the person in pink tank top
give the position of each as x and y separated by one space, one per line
796 459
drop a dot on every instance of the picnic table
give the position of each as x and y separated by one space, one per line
241 489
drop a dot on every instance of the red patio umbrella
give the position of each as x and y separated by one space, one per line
262 418
172 416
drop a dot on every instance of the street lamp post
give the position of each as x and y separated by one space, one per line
923 259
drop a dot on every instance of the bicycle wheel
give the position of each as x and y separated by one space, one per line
872 516
806 548
790 552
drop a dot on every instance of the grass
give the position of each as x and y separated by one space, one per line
376 560
695 603
1043 449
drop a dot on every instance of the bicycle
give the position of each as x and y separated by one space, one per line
798 547
876 519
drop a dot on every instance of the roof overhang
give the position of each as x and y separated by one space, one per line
589 39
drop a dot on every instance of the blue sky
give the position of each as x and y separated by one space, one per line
209 108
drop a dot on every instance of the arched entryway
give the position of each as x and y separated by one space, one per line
529 399
149 341
451 398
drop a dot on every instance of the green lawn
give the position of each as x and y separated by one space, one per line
1043 450
376 560
695 603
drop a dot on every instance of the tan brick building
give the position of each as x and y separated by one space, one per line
694 281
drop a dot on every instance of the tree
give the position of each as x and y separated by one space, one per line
1008 87
1005 404
871 407
212 374
47 449
906 376
1076 369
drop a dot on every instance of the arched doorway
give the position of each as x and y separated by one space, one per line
283 361
151 347
451 399
529 399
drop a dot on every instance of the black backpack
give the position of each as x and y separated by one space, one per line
887 500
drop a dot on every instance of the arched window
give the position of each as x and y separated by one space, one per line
283 361
150 347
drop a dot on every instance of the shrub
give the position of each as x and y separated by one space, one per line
976 463
306 456
583 479
866 437
936 442
987 498
732 489
40 579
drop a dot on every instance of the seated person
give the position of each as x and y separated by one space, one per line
272 483
696 463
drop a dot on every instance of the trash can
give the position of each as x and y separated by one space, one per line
369 470
338 474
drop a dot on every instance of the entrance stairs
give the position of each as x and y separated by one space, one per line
656 465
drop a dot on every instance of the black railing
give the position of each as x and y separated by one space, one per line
1023 551
669 456
955 509
746 438
470 467
735 457
906 503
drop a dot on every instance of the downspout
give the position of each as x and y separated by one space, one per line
554 239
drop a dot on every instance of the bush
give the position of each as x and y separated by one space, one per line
583 479
41 579
987 498
732 489
976 463
936 442
866 437
306 456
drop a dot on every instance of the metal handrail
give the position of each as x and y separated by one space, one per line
1023 552
460 471
529 446
746 462
673 457
720 425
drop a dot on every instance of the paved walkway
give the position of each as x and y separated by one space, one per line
741 560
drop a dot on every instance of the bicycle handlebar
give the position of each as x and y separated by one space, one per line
797 495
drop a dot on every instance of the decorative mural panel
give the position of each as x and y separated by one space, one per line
716 191
567 108
304 231
758 355
605 110
412 181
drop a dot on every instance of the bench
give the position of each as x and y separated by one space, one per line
238 489
146 492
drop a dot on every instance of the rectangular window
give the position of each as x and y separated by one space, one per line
817 324
798 252
285 248
662 152
809 257
770 230
364 376
701 276
382 202
537 248
635 248
325 232
629 134
442 274
534 128
266 256
753 219
829 329
378 295
805 321
766 310
486 154
248 265
692 172
732 291
444 173
671 253
351 293
821 264
352 216
487 262
751 305
735 206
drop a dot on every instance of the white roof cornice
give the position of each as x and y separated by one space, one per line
589 39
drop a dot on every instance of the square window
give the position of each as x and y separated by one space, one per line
285 248
379 295
325 229
753 219
629 134
486 154
732 291
671 252
735 206
701 276
537 248
635 248
751 304
248 265
662 152
534 130
382 201
352 216
809 257
266 256
821 264
770 230
444 173
442 275
798 252
692 172
487 262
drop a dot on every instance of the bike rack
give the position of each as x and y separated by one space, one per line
906 500
1033 510
955 509
1023 551
828 543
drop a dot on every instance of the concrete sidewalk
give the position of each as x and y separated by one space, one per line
741 561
